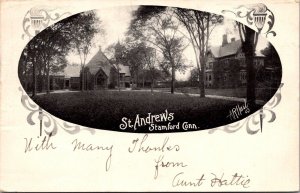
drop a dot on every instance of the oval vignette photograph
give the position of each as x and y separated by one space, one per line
150 69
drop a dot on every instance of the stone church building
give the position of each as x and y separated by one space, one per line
99 73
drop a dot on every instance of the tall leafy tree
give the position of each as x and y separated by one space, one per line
54 48
132 53
46 52
272 61
38 58
157 28
150 61
199 26
82 32
119 56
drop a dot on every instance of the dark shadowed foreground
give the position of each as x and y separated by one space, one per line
105 109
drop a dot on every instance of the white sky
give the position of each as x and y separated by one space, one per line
116 20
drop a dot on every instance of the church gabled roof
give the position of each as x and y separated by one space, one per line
99 61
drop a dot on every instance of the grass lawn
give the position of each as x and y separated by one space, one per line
264 94
104 109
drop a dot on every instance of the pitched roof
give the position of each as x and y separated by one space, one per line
226 50
59 73
230 49
259 54
72 71
124 69
99 61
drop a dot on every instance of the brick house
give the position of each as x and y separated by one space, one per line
57 81
226 67
72 78
67 79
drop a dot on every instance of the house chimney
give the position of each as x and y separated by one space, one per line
224 40
100 49
232 39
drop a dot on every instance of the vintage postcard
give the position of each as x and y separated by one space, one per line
149 95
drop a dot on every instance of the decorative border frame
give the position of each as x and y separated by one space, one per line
256 15
256 119
38 18
49 121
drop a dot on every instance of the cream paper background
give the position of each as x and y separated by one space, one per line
270 158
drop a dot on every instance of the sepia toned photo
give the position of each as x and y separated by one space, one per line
171 64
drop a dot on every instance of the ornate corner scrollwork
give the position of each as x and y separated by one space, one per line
257 15
51 125
254 122
37 19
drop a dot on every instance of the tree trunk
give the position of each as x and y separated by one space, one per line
40 80
152 82
137 78
173 73
143 80
25 79
34 73
48 80
248 49
173 78
201 77
82 79
250 80
33 80
119 79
